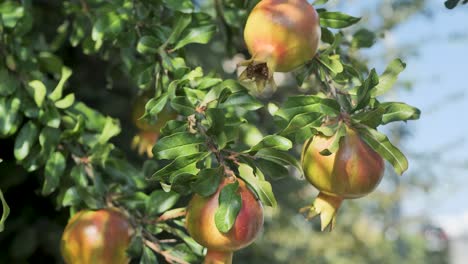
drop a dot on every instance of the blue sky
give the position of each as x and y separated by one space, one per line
439 73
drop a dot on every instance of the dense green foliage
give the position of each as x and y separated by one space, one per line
66 77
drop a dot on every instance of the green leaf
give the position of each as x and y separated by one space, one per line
49 115
319 2
5 212
303 120
177 145
207 182
451 4
301 104
272 168
279 157
261 187
215 119
78 175
26 138
178 165
382 145
372 118
215 93
70 197
273 141
364 91
111 129
327 35
160 201
399 112
148 256
155 105
107 25
230 203
39 91
242 100
182 21
363 38
208 82
184 6
8 84
335 144
50 62
95 121
49 139
182 105
66 102
200 35
58 91
184 252
332 63
148 45
10 117
54 169
10 13
389 77
337 19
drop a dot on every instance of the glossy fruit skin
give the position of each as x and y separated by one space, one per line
200 220
96 237
353 171
282 33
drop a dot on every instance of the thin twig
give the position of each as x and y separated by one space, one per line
167 255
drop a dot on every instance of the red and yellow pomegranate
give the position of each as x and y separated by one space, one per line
200 222
148 129
96 237
353 171
280 35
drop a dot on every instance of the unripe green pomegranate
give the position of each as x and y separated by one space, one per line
149 130
353 171
96 237
280 35
200 223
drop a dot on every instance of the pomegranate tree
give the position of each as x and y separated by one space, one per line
98 237
200 222
280 35
353 171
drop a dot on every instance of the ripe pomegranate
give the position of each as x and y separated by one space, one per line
200 223
148 129
353 171
280 35
98 237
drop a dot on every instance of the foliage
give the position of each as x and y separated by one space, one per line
451 4
55 69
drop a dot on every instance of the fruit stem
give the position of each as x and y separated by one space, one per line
218 257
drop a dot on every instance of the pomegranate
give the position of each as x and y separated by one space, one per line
148 129
98 237
200 223
353 171
280 35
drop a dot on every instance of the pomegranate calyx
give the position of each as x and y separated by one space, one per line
258 71
325 206
144 141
